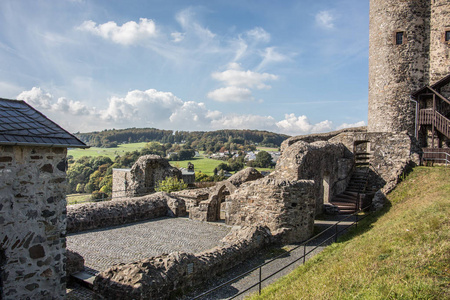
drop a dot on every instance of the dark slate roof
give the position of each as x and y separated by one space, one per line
21 124
443 82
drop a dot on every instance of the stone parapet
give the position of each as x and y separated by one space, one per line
117 212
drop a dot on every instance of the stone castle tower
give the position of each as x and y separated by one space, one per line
409 49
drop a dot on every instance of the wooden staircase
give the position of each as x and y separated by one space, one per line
354 196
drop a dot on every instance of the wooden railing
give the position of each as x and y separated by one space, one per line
431 117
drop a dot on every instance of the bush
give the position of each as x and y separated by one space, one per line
171 184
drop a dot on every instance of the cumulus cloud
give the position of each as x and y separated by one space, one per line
161 110
250 79
239 84
231 94
325 19
301 125
127 34
41 100
346 125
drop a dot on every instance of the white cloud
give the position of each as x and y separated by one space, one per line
41 100
127 34
231 94
270 55
325 19
177 36
186 20
249 79
161 110
37 98
244 122
258 34
301 125
346 125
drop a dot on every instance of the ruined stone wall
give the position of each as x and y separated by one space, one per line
287 208
316 137
396 71
145 174
168 275
121 180
391 154
117 212
323 162
32 221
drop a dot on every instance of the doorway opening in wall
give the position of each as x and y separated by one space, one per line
2 269
222 204
326 188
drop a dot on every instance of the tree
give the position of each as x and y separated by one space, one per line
263 159
171 184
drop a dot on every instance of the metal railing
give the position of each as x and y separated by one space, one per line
437 154
303 245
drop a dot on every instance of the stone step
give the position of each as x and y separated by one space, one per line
85 279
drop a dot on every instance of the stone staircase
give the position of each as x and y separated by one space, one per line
354 196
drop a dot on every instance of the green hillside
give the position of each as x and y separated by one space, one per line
402 252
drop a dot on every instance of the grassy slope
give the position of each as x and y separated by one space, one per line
402 252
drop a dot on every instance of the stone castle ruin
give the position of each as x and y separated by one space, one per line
337 172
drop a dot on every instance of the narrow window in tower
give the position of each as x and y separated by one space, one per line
399 38
447 36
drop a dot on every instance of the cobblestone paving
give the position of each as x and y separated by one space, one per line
78 293
105 247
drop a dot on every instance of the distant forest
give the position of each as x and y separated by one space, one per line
200 140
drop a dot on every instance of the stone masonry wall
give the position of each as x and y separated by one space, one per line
168 275
116 212
32 221
146 172
322 162
396 71
287 208
121 180
391 155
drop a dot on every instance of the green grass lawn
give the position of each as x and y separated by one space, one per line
402 252
77 198
204 164
109 152
267 149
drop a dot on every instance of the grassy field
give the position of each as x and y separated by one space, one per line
402 252
267 149
109 152
78 198
202 163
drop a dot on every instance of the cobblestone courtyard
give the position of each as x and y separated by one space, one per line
105 247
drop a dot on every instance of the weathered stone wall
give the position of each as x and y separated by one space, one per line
143 177
391 154
439 48
165 276
121 180
323 162
287 208
396 71
316 137
116 212
32 221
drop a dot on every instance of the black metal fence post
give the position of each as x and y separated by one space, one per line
335 233
260 279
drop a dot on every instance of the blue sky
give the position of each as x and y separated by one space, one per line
293 67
